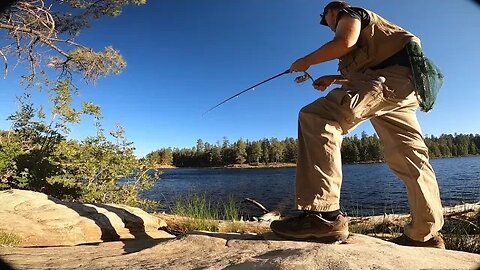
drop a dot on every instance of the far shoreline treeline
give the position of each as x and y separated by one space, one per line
283 153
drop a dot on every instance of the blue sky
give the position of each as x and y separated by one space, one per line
186 56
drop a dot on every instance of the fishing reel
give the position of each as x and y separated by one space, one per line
303 78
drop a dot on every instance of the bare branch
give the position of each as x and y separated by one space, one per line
36 33
6 63
68 41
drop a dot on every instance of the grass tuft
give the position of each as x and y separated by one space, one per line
9 239
386 227
200 213
196 212
461 229
462 232
231 210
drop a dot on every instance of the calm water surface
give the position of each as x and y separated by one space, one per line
367 188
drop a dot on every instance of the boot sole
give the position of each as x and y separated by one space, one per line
330 237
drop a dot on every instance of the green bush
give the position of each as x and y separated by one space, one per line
35 156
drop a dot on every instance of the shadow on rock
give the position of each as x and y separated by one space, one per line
102 221
133 223
270 236
135 245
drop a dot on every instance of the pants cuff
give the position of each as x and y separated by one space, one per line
324 207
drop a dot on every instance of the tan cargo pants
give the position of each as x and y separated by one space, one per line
391 107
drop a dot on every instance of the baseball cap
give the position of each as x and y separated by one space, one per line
332 5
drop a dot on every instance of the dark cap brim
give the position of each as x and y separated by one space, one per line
323 21
332 5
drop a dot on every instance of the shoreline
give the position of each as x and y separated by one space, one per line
254 166
278 164
261 166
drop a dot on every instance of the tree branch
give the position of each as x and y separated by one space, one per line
41 36
6 63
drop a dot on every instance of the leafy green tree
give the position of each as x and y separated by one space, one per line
216 156
291 149
473 149
254 151
228 153
200 148
350 152
462 142
374 148
445 150
35 155
265 156
240 149
476 140
160 157
276 150
434 150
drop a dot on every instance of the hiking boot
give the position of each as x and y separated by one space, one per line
434 242
311 226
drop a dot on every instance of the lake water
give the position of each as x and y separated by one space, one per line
367 188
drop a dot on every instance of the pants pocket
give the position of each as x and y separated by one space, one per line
364 98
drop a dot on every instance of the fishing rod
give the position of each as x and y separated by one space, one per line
299 79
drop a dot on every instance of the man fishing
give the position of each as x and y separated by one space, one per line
376 64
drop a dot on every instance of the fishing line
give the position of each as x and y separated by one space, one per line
299 79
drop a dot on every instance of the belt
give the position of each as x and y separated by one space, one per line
399 58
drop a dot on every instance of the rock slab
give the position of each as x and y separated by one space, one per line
204 250
41 220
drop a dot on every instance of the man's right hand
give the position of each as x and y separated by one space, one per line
324 82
